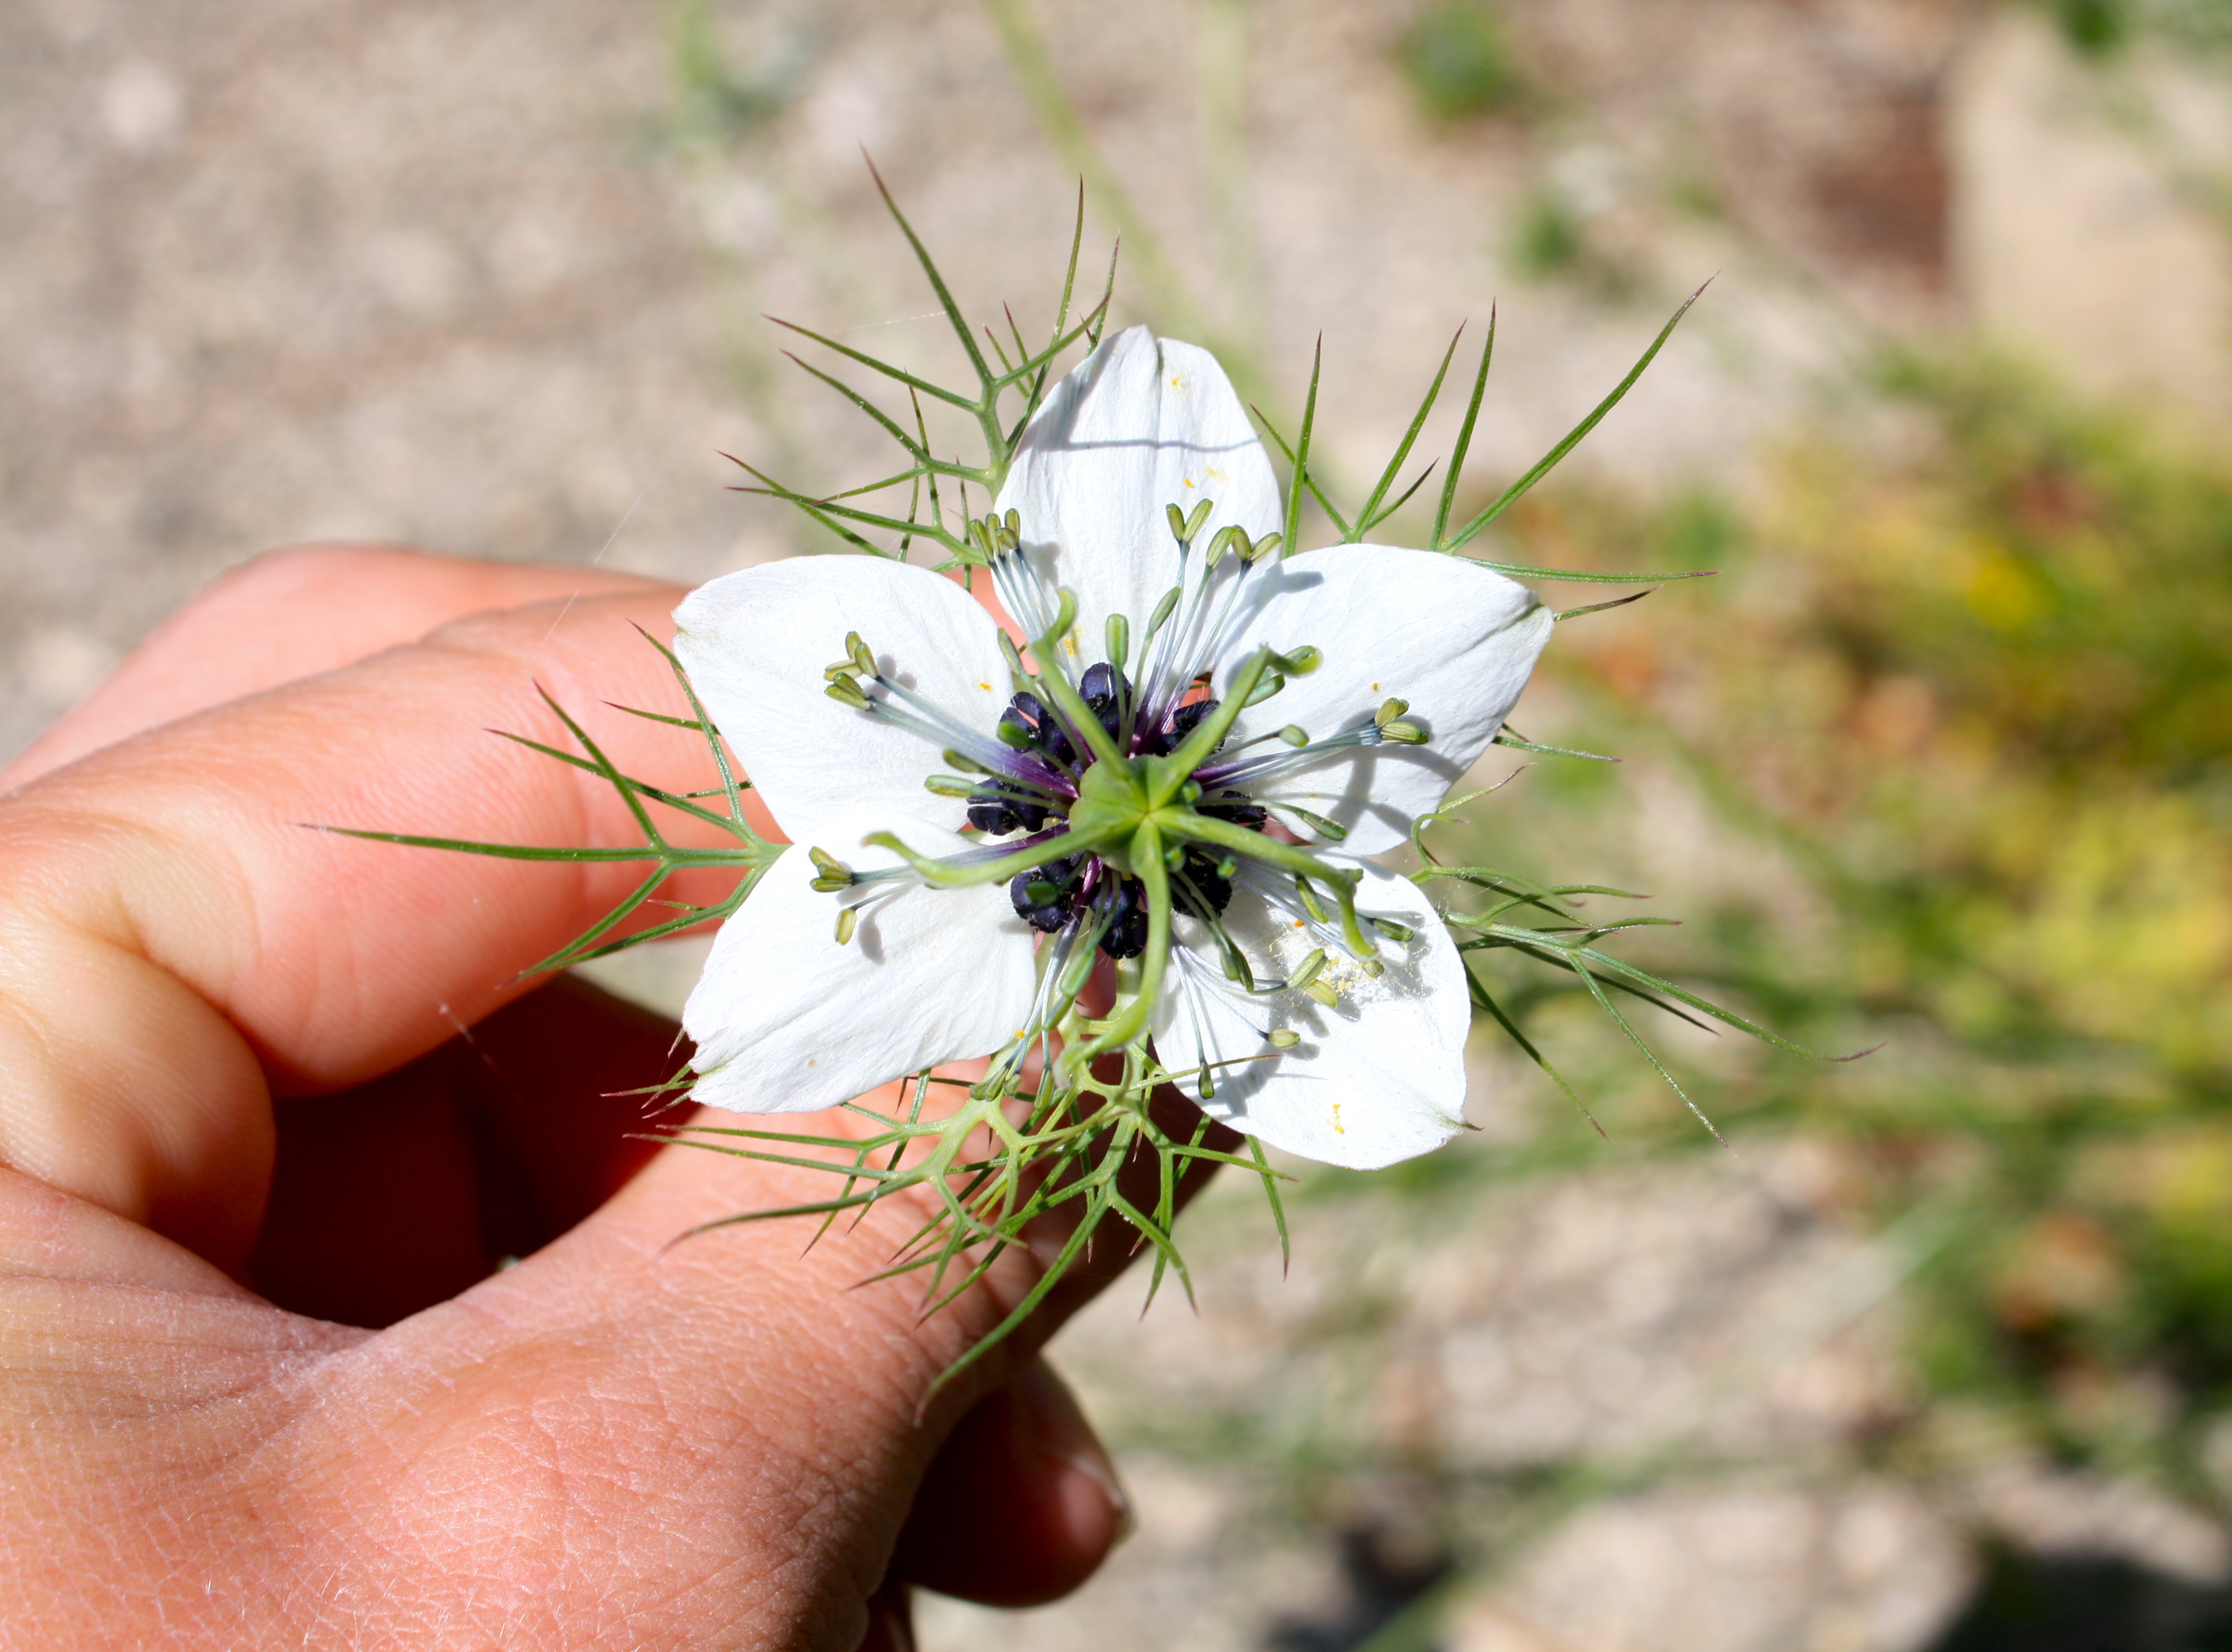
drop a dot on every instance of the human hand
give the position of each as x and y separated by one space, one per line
230 1051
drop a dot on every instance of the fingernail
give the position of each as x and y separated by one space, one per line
1059 1429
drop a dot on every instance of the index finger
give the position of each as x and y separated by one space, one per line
171 941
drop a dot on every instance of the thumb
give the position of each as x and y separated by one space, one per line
723 1430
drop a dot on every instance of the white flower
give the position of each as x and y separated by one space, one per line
1302 992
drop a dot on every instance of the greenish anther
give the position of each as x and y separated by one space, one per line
1163 609
1184 527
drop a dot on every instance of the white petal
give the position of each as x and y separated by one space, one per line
786 1020
1453 638
1143 423
1377 1078
755 644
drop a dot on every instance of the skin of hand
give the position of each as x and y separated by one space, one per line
259 1386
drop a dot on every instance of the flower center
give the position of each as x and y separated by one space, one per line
1126 823
1068 783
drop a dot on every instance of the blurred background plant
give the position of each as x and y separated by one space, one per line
1940 1355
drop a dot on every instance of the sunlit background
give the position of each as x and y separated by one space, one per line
1938 1353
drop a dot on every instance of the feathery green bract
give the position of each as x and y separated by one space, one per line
1557 938
1005 394
752 854
1355 525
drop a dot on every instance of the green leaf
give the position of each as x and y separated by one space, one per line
1480 996
1316 492
1549 462
501 851
605 767
1507 738
961 329
953 397
1301 457
1270 1180
1364 516
1440 541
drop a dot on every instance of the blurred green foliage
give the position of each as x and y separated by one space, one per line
715 102
2099 28
2093 26
1457 59
1970 704
1547 238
